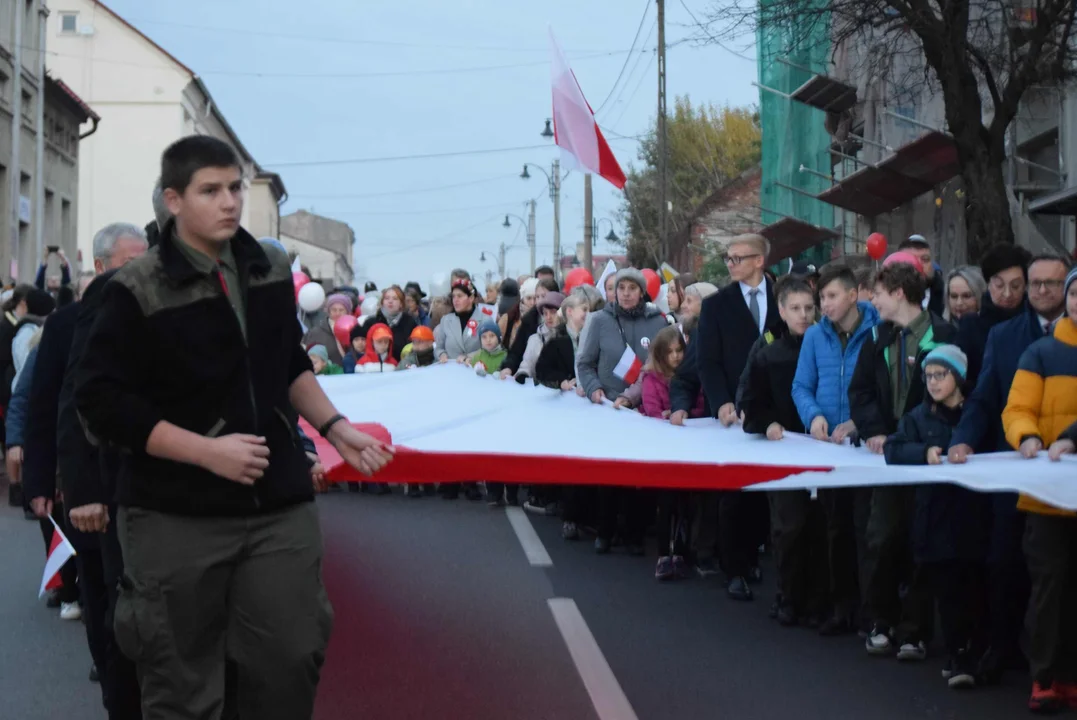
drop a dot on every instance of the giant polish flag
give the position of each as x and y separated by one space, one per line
439 418
574 128
60 551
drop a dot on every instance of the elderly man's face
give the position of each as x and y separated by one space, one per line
125 250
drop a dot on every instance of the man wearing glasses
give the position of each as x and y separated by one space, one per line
730 322
980 430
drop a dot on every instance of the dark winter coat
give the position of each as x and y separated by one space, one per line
557 361
972 331
950 522
529 325
768 394
719 350
167 346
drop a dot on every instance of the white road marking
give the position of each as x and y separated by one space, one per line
529 539
606 694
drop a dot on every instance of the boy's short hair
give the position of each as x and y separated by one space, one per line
791 284
904 277
865 277
837 272
550 284
183 158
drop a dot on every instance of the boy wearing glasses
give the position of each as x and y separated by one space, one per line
949 535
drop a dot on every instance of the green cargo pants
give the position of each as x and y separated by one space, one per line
197 590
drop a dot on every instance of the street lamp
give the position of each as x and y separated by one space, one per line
529 224
547 132
611 238
553 179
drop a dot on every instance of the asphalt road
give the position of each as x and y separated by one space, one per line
440 615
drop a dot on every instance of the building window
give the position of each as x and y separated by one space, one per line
69 23
27 106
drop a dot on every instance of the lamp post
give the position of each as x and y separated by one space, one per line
553 178
530 225
611 237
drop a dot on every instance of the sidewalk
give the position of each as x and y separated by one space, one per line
44 661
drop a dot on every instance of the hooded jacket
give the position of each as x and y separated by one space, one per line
825 371
767 398
610 331
371 362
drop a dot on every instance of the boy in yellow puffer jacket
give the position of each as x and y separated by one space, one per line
1042 411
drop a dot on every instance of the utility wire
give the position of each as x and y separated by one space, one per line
395 158
391 193
337 39
711 37
635 39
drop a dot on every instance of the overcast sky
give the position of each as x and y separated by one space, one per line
309 83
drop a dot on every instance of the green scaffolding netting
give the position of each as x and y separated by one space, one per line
793 134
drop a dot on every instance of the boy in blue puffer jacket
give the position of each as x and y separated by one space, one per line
821 394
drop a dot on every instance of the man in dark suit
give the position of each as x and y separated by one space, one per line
730 322
56 447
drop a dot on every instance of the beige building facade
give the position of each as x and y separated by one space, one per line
323 245
151 100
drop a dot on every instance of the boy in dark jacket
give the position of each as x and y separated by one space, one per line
887 384
796 521
949 533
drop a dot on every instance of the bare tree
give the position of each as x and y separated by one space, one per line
980 56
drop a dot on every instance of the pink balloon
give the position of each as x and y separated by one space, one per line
299 280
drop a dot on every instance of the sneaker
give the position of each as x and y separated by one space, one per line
879 642
787 616
775 606
680 567
706 568
569 531
70 611
535 506
602 546
52 599
962 672
664 569
1045 699
912 650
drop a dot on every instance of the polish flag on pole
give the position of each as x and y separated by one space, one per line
60 551
574 128
628 367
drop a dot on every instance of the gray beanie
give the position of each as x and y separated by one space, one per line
631 273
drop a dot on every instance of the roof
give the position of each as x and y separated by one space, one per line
67 97
274 180
194 77
143 35
224 122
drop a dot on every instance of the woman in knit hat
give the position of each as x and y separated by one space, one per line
336 306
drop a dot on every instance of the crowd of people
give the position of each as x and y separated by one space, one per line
918 366
185 484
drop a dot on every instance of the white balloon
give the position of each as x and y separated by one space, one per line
439 284
370 305
662 301
362 319
311 297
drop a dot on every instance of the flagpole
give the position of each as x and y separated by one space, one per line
588 225
663 152
555 185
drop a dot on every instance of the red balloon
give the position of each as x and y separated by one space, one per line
299 280
342 330
576 277
877 246
654 283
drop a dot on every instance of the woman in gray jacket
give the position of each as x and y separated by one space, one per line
616 336
457 335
